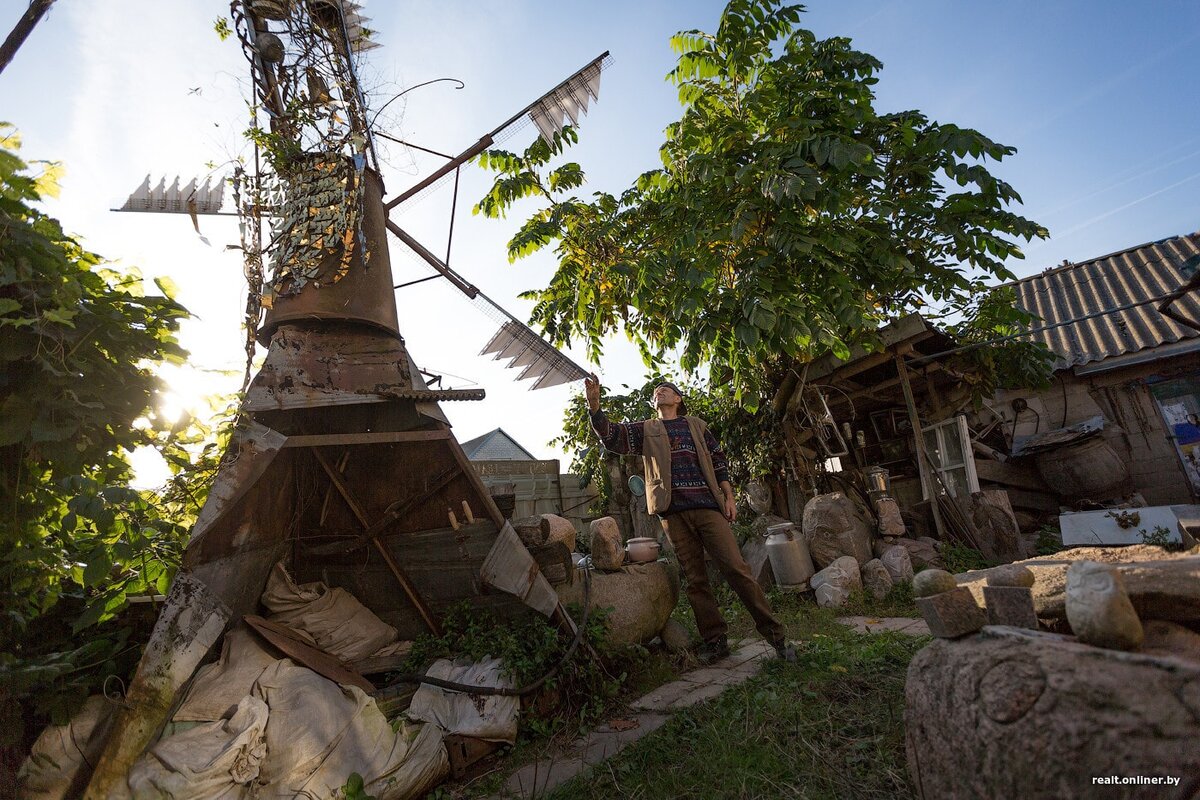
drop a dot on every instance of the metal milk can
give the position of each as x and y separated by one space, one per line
788 553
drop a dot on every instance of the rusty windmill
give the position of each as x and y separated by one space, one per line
344 465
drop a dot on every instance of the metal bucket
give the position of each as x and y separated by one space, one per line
788 553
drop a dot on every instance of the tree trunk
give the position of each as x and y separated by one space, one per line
22 29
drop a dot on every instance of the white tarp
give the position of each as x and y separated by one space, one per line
213 761
220 686
319 732
333 618
490 717
62 751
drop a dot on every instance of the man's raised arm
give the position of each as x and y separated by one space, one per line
617 437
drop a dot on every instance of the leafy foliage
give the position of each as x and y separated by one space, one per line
1008 364
789 218
78 341
750 440
962 558
529 648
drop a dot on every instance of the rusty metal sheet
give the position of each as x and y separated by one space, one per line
303 653
251 450
364 295
330 365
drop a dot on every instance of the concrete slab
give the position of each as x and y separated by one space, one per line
662 697
698 695
605 742
535 780
706 675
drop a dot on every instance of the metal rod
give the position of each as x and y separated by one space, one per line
445 169
413 146
453 208
418 280
463 285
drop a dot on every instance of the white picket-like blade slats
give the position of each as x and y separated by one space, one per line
569 100
174 199
536 359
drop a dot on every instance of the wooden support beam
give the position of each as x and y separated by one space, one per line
409 590
919 445
872 391
373 437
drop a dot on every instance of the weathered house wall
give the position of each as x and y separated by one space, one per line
1134 427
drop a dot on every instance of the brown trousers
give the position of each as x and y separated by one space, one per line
692 534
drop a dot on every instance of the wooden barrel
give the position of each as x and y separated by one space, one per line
1087 469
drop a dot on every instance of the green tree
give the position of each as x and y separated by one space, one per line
78 344
789 218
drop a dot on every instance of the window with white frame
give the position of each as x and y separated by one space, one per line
948 444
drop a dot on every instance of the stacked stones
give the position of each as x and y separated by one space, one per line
950 610
1009 597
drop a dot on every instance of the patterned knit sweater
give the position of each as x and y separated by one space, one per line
688 488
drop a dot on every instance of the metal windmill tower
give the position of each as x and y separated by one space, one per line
344 465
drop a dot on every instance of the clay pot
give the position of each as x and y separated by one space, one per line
642 549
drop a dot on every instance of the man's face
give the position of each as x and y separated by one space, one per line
666 396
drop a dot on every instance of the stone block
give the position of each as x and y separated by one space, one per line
1010 605
952 614
607 551
1011 713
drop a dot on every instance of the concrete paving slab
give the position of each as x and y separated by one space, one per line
698 695
663 696
535 780
605 742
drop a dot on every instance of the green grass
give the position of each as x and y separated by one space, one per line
829 726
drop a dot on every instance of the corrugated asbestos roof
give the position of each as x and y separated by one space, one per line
1072 291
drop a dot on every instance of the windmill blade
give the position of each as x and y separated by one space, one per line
173 199
547 113
533 355
514 340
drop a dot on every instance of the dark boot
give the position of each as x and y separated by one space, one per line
711 652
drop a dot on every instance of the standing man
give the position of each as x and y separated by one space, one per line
687 485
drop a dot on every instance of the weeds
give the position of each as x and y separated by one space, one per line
961 558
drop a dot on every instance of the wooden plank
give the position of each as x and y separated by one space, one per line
1009 475
374 437
317 660
919 445
359 514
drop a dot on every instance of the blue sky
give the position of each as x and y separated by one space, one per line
1099 98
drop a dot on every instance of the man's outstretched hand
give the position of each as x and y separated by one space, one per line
591 390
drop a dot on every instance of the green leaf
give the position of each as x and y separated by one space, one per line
61 316
167 286
97 566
